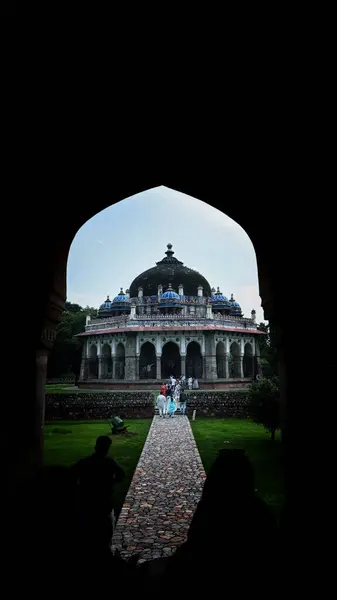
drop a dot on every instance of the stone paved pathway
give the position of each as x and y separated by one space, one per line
163 494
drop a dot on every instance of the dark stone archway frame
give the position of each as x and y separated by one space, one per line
56 236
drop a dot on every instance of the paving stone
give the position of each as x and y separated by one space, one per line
163 494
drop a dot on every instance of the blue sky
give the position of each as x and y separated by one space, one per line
124 240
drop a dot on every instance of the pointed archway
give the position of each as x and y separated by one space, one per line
120 362
248 361
234 361
220 360
93 362
170 360
106 362
147 361
194 360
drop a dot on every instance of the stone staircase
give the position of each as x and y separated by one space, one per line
156 411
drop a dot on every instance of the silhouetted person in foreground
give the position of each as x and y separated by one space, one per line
96 476
231 526
232 537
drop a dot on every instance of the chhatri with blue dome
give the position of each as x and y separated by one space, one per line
169 321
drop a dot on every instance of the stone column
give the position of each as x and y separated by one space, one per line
114 366
100 366
241 366
130 357
83 361
137 367
210 357
183 364
158 366
226 367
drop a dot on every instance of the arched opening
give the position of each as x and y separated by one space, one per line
194 360
220 360
106 362
248 361
147 361
93 362
120 361
170 360
234 361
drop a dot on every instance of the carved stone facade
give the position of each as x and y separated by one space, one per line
213 356
146 338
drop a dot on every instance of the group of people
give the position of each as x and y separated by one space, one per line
173 393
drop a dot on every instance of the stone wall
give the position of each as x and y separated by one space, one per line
140 405
104 405
230 404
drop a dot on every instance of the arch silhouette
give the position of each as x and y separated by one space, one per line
194 367
120 361
248 361
170 360
93 362
147 361
220 360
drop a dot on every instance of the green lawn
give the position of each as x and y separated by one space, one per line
58 388
211 435
68 441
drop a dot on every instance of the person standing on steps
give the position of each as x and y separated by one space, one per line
190 381
161 403
172 407
195 384
183 398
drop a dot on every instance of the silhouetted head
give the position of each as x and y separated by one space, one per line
231 473
103 444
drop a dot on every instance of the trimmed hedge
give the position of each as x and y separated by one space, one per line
141 404
87 406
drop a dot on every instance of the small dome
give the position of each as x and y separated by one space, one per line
218 297
106 305
122 297
235 306
233 303
170 294
170 298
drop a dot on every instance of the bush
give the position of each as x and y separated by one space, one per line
264 403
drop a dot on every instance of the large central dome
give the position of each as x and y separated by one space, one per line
170 271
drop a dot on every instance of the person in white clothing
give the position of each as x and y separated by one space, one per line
176 394
161 403
190 383
166 403
195 384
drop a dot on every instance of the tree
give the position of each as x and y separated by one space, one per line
65 357
265 403
268 357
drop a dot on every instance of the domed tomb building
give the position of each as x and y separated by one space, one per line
170 321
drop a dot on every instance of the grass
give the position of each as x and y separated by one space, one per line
213 434
68 441
58 388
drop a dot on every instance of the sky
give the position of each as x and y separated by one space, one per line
124 240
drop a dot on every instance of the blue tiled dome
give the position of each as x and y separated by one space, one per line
219 298
235 306
170 296
106 305
122 297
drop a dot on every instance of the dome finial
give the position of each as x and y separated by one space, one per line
107 298
169 252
